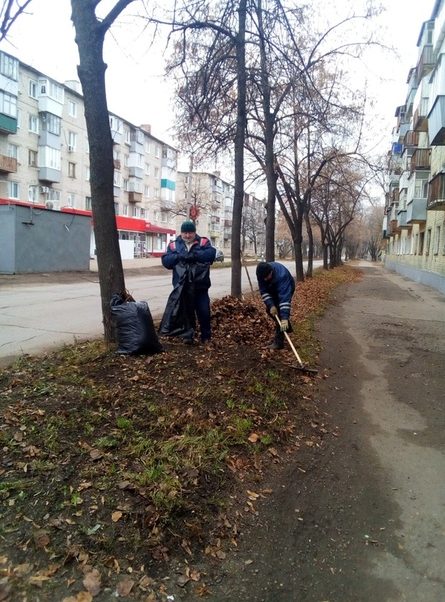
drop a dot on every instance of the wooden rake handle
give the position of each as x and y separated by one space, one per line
290 343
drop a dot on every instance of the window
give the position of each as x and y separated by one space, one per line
14 190
142 212
87 173
436 240
88 203
158 151
156 193
71 169
147 146
147 192
124 209
51 89
156 172
117 180
51 123
72 108
8 104
134 212
33 124
33 194
49 157
116 208
32 88
147 169
125 184
9 66
71 199
53 195
13 151
428 241
32 158
72 141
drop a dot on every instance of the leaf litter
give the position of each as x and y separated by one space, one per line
117 472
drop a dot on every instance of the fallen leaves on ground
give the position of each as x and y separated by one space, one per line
113 467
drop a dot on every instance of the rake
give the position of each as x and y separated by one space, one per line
300 366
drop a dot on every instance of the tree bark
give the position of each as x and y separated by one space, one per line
240 136
90 33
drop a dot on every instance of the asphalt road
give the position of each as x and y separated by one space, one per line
360 519
40 315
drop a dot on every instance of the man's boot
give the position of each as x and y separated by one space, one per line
278 342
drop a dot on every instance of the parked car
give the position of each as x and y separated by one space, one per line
219 255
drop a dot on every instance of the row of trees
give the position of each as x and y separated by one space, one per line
256 78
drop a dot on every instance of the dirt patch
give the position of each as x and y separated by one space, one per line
120 473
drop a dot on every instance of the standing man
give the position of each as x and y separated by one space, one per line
277 287
190 257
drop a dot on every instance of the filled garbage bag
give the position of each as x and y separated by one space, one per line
136 334
179 314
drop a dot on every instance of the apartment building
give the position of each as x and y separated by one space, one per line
414 223
44 159
208 199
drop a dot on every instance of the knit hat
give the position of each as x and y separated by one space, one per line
188 226
263 269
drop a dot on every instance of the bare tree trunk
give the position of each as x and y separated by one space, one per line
90 33
240 136
269 119
310 255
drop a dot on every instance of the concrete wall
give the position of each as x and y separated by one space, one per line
7 246
39 240
434 280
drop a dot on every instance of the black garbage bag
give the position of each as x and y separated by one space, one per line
179 314
136 334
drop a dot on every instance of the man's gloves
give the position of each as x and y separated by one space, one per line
284 325
273 311
189 258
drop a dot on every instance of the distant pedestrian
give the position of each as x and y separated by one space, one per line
277 287
190 257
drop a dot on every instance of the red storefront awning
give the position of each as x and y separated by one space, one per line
128 224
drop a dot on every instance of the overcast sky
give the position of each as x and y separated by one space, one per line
136 91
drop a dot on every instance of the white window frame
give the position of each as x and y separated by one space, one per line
13 189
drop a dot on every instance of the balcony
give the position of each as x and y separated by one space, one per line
8 164
420 121
436 193
8 125
49 174
425 63
411 138
421 159
401 218
134 197
416 211
393 227
117 164
436 122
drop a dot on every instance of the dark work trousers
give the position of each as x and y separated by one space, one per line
202 308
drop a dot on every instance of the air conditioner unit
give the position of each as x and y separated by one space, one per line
44 189
70 148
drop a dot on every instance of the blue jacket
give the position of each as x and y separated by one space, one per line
199 258
279 290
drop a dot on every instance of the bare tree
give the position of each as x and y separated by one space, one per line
90 34
10 10
211 57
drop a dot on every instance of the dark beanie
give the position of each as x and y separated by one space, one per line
263 269
188 227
